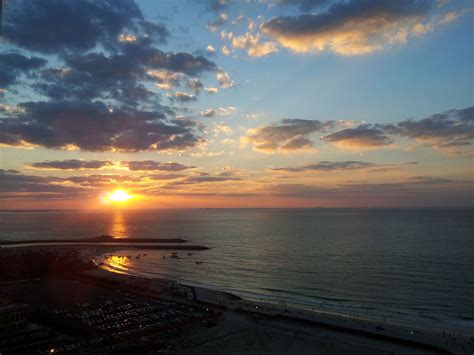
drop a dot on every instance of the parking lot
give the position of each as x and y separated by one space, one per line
87 316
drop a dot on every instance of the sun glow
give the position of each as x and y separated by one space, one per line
119 196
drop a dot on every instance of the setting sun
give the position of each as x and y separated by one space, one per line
119 196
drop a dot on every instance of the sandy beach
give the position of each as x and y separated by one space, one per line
280 317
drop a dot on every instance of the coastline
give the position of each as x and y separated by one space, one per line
412 335
420 338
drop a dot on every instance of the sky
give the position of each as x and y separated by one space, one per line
226 103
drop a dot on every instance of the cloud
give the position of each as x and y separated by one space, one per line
100 50
120 76
13 65
195 85
224 79
211 49
446 131
164 177
182 97
220 128
92 126
17 185
9 171
56 26
251 43
288 135
352 27
165 79
304 5
225 50
221 111
191 180
72 164
297 143
215 6
99 181
220 21
363 136
99 89
451 132
147 165
180 62
413 191
328 166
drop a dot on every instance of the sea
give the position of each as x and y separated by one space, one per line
408 266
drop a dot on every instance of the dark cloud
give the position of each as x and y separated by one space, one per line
72 164
411 184
328 166
297 190
92 126
13 65
363 136
54 26
195 85
449 129
201 179
105 51
9 171
289 134
147 165
102 180
118 76
180 62
206 178
451 132
297 143
17 185
95 75
182 97
161 177
348 27
415 191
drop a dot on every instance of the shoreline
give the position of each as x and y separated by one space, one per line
439 342
420 338
408 334
379 312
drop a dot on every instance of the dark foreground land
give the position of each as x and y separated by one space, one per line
73 307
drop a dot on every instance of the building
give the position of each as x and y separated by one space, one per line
13 317
16 332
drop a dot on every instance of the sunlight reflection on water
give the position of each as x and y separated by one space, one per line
118 226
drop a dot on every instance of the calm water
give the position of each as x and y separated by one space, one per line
405 264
